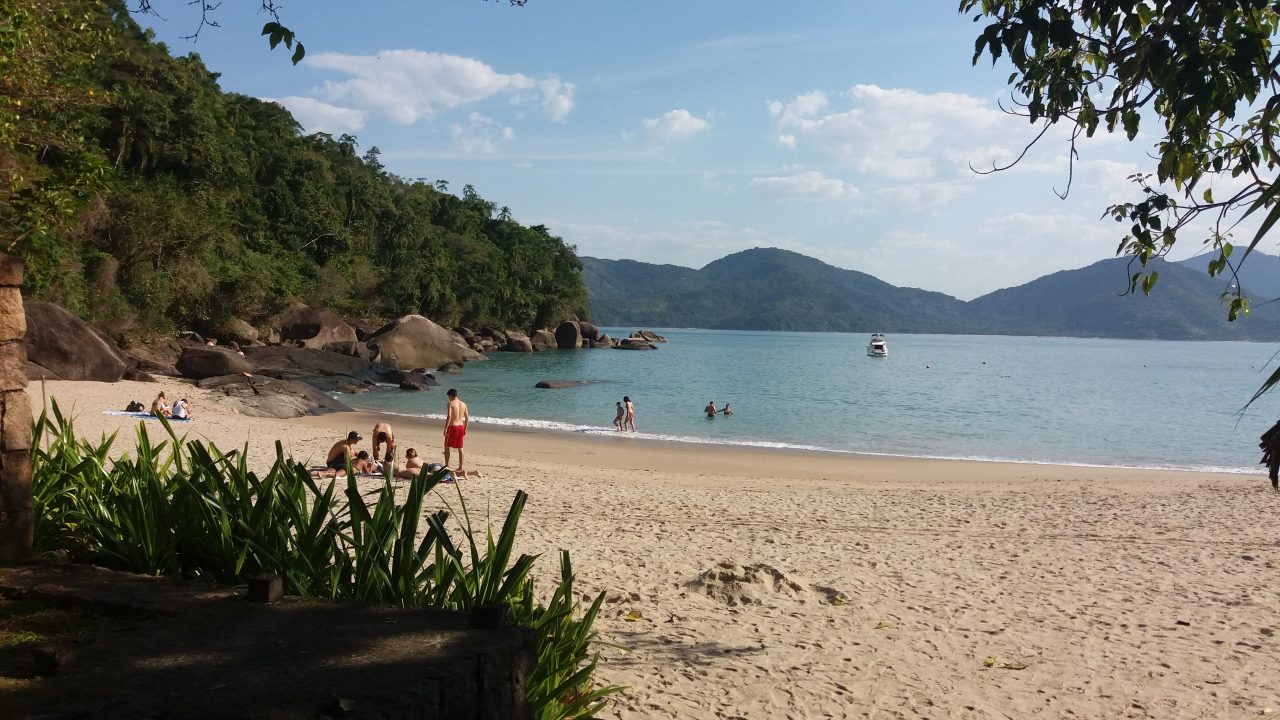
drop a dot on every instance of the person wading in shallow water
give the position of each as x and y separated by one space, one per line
631 413
455 427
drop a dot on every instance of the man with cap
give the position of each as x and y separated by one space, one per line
342 450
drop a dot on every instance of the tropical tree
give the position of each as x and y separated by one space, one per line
1204 73
48 175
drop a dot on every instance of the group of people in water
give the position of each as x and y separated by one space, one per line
711 409
457 420
626 417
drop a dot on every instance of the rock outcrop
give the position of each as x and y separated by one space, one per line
517 342
560 384
635 343
543 340
413 341
327 370
238 331
568 336
201 361
314 327
261 396
69 347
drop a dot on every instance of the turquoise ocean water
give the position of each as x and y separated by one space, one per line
1138 403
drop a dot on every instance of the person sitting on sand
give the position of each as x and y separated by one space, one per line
382 434
182 410
617 420
160 406
726 410
362 464
711 409
341 450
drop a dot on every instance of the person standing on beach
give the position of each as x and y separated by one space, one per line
455 426
630 423
620 417
382 434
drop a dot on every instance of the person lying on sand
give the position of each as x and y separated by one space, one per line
412 465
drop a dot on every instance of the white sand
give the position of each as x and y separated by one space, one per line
765 584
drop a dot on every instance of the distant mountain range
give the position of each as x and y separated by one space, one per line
772 289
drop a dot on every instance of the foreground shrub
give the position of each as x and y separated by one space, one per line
185 508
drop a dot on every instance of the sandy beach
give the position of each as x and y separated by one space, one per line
772 584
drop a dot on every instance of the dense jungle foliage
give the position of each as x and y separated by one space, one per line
144 198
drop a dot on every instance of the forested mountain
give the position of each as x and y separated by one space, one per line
1259 273
769 289
208 205
761 289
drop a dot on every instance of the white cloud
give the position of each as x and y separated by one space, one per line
811 185
900 134
787 140
316 116
408 85
675 125
481 135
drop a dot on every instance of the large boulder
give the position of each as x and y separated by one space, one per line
238 331
314 327
517 342
69 347
413 341
364 328
568 336
260 396
201 361
635 343
560 384
589 331
543 340
324 369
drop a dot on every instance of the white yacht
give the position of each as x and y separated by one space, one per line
877 346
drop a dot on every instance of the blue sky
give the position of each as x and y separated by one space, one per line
679 132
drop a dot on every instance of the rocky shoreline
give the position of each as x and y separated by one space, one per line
291 365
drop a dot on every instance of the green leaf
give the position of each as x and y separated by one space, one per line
298 54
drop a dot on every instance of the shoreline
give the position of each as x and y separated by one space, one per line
758 582
598 432
708 455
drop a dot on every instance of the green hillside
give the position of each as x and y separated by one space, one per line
762 289
769 289
145 198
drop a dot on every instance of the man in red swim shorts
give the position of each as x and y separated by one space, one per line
455 427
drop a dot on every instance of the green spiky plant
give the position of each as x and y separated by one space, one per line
179 507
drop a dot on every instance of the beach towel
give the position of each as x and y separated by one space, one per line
142 415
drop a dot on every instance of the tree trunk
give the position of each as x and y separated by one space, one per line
17 520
